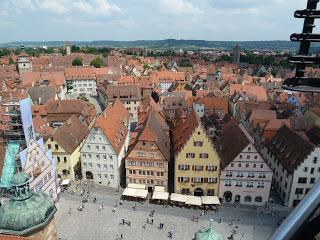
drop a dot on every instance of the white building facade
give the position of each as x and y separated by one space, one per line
292 180
87 87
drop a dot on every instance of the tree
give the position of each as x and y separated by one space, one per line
77 62
97 62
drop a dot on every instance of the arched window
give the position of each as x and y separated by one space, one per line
247 198
258 199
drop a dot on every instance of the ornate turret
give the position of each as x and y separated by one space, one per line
207 234
28 213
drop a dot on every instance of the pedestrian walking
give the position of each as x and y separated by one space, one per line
151 221
123 221
70 211
170 234
121 236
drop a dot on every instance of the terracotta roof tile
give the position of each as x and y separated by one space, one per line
70 134
114 121
289 147
231 143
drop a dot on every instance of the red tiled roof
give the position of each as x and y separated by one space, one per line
71 133
257 91
114 121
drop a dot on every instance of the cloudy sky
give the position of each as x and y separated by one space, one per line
34 20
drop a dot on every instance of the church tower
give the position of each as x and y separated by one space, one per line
28 213
24 62
67 45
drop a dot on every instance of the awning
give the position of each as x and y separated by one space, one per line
159 189
160 195
193 200
132 192
65 182
136 186
141 193
178 197
128 192
210 200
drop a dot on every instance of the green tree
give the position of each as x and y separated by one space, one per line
97 62
77 62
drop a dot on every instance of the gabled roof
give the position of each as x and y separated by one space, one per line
41 94
70 134
183 130
113 121
289 147
231 143
152 127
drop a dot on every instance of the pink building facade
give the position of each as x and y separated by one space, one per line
245 176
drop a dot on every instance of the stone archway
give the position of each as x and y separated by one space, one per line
89 175
198 192
227 196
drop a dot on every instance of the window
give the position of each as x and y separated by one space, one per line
305 169
190 155
260 185
99 175
184 167
183 179
112 177
247 198
254 165
227 183
258 199
210 192
97 147
312 171
212 180
307 190
228 174
90 165
249 149
315 160
85 164
255 157
240 156
110 157
140 154
104 157
247 164
261 165
184 191
197 168
299 190
58 159
98 165
249 184
262 175
239 174
204 155
302 180
212 168
238 184
84 155
88 146
56 147
232 164
197 143
239 164
248 156
64 159
312 180
49 146
104 148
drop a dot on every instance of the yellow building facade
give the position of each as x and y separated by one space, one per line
197 165
68 164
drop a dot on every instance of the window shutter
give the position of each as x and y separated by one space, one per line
206 168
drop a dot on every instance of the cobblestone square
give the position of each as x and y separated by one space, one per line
105 224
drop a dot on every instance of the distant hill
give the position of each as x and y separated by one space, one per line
168 43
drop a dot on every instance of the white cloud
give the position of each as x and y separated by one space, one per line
92 7
54 6
179 7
